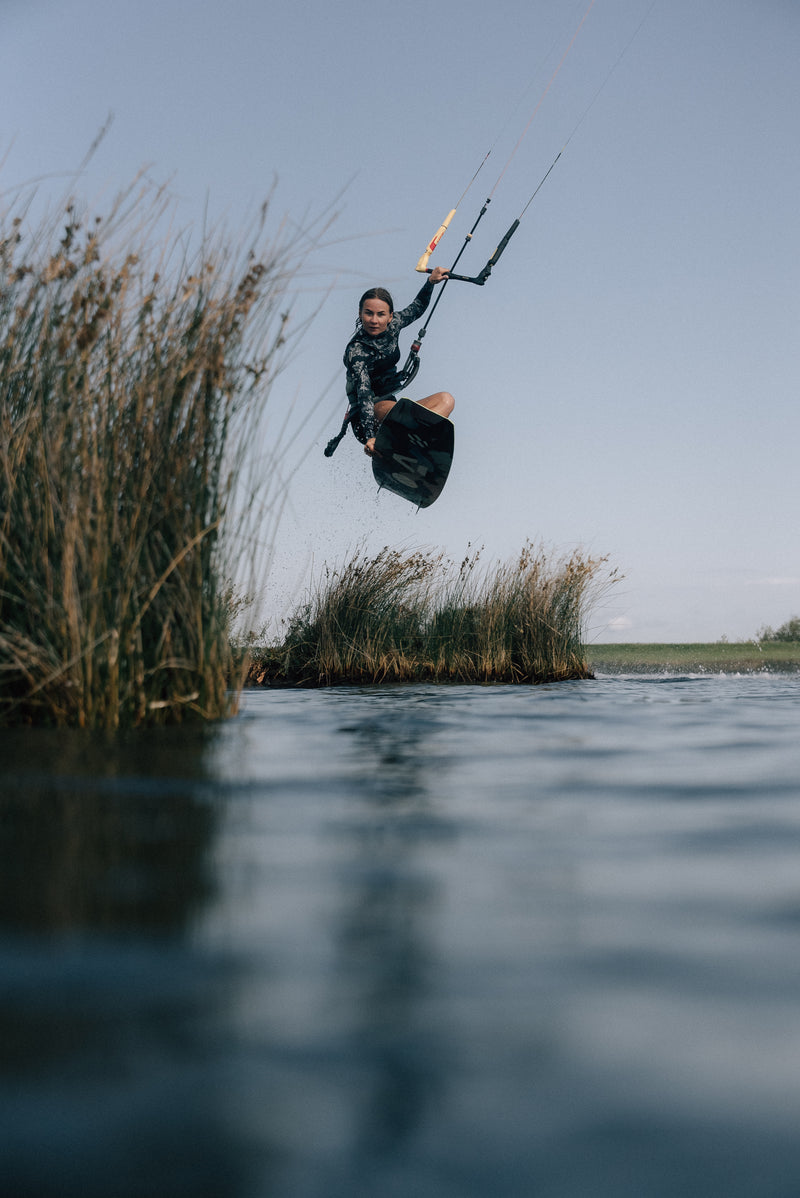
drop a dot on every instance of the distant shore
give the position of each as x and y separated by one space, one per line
720 657
749 657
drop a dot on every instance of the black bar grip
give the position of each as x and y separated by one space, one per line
493 260
467 279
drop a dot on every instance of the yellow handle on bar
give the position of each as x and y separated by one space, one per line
422 265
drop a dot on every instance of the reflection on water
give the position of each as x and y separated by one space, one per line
110 1031
440 942
102 835
384 954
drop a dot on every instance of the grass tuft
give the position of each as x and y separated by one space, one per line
403 617
132 379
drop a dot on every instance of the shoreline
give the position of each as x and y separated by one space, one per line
721 657
643 658
747 657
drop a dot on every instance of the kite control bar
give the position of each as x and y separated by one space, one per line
411 365
481 277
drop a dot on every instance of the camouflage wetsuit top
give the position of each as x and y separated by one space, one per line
371 363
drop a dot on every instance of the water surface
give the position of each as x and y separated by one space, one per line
447 942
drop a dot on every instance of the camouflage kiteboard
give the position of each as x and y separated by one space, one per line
413 453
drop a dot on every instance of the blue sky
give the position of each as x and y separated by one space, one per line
628 379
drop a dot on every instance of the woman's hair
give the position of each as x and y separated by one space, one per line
378 293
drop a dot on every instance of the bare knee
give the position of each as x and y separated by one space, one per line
441 402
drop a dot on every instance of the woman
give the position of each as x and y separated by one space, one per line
372 355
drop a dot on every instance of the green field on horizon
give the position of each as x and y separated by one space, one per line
717 657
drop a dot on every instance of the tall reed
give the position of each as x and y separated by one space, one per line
412 617
133 374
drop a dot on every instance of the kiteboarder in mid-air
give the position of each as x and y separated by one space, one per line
372 355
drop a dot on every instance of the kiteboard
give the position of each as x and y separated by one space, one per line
413 452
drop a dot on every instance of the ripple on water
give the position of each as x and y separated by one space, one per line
446 942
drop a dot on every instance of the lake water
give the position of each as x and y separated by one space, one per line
418 942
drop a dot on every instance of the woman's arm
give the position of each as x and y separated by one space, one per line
423 297
360 393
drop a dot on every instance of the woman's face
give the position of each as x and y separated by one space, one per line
375 316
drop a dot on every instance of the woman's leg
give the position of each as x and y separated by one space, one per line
441 402
382 408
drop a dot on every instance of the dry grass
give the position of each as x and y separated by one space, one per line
132 380
401 617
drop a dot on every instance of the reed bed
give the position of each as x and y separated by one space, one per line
406 617
132 379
